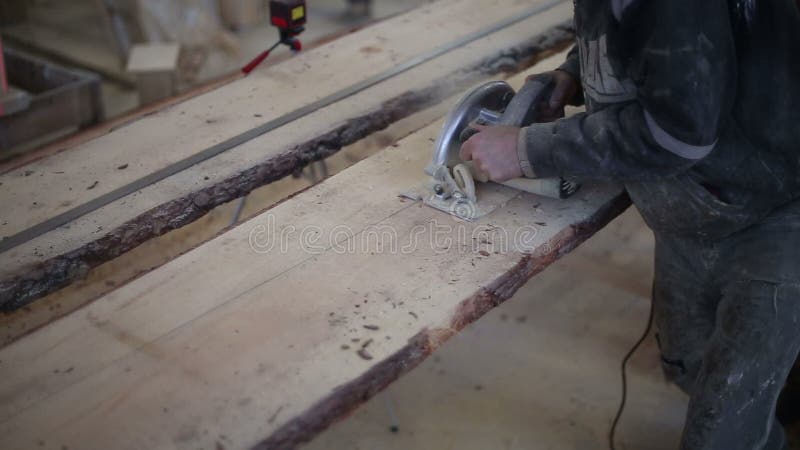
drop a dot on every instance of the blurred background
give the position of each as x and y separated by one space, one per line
80 62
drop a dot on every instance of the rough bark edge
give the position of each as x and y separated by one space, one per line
50 275
346 398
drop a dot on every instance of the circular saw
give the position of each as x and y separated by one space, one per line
452 187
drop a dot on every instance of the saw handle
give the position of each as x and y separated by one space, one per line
522 109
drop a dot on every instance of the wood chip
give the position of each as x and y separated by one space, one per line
364 354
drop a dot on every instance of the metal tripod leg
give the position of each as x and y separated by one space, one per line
238 213
317 171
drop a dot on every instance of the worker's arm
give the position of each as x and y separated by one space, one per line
566 90
684 94
572 63
572 66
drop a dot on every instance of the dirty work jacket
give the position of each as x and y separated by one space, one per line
694 105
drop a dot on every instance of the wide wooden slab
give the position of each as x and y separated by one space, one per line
51 186
265 335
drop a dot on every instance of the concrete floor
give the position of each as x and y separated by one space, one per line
542 370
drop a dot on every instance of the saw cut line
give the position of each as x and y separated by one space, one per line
66 217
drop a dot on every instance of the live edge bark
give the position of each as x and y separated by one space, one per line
55 273
346 398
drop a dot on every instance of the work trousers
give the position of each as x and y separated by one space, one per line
727 316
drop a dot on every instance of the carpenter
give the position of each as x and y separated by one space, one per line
694 106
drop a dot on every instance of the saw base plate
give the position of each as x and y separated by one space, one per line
491 196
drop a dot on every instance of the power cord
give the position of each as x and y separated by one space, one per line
625 360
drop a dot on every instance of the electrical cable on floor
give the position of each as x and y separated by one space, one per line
625 360
389 402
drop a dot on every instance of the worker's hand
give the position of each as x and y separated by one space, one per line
566 87
494 151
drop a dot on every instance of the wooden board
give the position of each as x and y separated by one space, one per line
542 370
63 181
158 251
265 335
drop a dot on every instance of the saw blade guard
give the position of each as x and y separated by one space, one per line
490 98
495 103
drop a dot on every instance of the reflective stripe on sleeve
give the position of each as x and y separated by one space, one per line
675 145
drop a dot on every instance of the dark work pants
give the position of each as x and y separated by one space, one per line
727 313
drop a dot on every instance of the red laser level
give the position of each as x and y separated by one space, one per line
289 16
